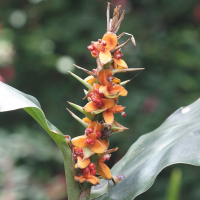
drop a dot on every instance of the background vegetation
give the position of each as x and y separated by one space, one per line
39 42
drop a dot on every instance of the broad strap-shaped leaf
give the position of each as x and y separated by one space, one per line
12 99
177 140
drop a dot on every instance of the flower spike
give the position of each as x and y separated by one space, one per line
90 150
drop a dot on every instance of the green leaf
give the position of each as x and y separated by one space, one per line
12 99
177 140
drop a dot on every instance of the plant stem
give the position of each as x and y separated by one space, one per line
73 190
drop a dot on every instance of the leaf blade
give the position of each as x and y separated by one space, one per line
12 99
177 140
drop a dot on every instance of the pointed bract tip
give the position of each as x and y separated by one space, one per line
118 178
68 138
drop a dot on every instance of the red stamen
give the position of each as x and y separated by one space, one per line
99 40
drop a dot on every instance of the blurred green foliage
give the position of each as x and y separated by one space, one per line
40 39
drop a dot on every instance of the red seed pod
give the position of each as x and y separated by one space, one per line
88 140
96 90
101 95
107 157
92 142
75 157
118 55
98 134
81 155
76 152
104 43
95 52
91 166
91 95
88 131
86 170
123 114
98 102
94 71
93 172
91 47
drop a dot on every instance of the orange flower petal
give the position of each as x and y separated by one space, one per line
121 64
116 80
82 179
95 86
85 119
118 88
103 75
82 163
96 126
104 171
123 93
111 40
108 117
92 124
77 178
102 89
91 106
90 79
106 142
110 94
98 147
93 179
107 103
105 57
80 141
116 109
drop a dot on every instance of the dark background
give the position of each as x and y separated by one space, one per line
39 42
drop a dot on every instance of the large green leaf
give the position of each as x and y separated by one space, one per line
12 99
177 140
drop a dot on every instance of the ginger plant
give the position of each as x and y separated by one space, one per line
175 141
91 150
